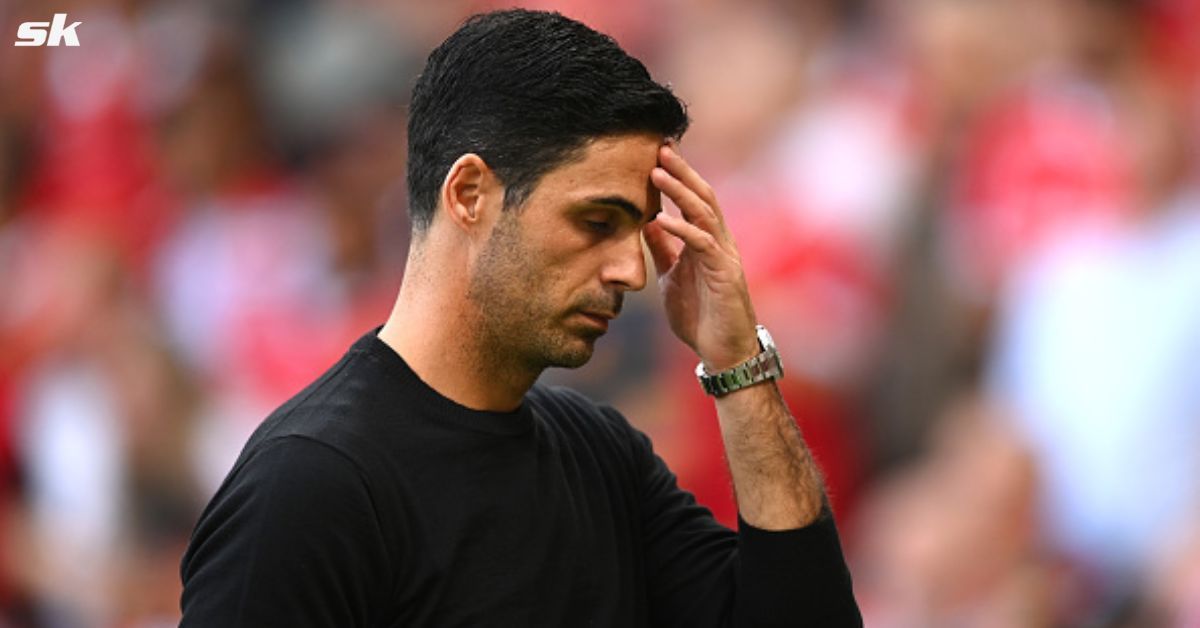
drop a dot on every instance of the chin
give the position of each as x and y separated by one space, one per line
573 353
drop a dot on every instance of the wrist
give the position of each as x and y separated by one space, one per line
763 364
747 346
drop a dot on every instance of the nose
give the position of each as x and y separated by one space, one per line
626 267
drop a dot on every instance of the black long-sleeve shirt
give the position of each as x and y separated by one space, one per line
371 500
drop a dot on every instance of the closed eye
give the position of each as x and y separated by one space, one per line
602 227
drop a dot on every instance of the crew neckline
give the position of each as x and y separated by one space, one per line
411 387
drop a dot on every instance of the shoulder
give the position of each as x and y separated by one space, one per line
290 450
297 468
277 481
293 524
339 418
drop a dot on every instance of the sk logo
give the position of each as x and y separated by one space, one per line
54 33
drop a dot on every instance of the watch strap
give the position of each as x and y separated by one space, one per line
760 368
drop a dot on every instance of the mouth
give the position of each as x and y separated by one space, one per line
598 319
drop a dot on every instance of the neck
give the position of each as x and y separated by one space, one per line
433 328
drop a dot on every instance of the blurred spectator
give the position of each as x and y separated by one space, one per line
949 540
1098 341
103 438
1117 442
261 260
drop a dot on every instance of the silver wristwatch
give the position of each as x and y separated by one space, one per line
760 368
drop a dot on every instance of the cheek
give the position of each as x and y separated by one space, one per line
576 272
538 283
559 268
553 262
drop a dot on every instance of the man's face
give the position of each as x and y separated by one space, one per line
554 271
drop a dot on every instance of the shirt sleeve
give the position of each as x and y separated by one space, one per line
700 573
292 539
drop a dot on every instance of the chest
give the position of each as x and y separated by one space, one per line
519 531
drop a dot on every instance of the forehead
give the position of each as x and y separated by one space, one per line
608 166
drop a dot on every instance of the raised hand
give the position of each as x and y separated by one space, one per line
699 268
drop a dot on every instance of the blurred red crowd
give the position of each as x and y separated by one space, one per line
972 227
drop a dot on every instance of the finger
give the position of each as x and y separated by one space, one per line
664 249
674 163
693 208
695 238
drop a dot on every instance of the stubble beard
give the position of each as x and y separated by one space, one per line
518 327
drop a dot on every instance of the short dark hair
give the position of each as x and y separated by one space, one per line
525 90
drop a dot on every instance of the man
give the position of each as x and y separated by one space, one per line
425 480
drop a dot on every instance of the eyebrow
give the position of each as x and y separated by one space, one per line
624 204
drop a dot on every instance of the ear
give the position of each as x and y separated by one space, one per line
469 189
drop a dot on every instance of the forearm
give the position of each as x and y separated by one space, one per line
776 481
790 568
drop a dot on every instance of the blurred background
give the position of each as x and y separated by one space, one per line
973 227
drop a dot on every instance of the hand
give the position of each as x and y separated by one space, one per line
699 268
